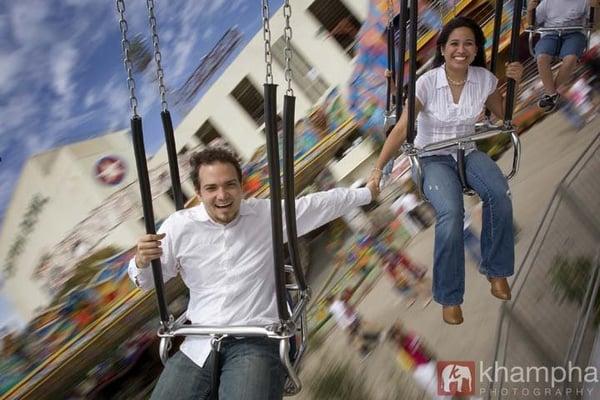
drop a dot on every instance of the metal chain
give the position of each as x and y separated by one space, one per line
267 39
133 103
390 12
287 33
157 55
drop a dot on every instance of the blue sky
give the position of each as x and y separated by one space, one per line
62 79
10 319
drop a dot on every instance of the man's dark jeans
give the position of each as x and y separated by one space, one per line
250 370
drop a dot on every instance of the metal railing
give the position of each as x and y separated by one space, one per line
553 317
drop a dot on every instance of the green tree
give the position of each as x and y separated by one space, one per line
570 277
140 53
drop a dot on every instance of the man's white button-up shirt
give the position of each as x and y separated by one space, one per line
229 268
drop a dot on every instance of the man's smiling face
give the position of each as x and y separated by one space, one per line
220 191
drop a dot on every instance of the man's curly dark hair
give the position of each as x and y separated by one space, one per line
211 156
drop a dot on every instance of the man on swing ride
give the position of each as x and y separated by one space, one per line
222 250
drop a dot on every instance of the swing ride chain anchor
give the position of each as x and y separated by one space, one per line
267 39
409 149
390 12
287 34
133 103
157 55
286 329
166 327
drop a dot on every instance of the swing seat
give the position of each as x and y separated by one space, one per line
587 29
292 339
534 31
485 131
486 126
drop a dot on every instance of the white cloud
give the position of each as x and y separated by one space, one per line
90 98
191 13
207 33
244 6
61 130
180 60
61 73
38 142
11 64
178 49
238 6
8 178
147 94
80 3
27 22
137 17
5 29
113 99
61 69
22 107
167 35
51 91
214 6
11 320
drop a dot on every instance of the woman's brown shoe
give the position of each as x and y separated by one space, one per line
500 288
452 315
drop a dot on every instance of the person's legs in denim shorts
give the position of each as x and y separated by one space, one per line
568 47
546 49
549 44
572 47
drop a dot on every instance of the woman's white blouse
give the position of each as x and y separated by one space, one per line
440 117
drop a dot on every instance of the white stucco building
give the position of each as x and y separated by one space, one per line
84 195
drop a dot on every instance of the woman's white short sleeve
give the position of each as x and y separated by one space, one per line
491 84
424 87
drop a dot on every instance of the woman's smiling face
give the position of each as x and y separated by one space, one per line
460 49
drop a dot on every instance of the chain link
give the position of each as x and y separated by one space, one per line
287 33
133 103
390 12
267 39
157 55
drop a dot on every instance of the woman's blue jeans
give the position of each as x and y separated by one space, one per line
250 370
442 187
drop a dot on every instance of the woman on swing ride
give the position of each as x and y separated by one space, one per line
449 100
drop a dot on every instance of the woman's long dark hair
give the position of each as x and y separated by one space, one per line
459 22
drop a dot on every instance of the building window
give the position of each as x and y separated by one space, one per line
349 143
183 150
305 76
171 195
211 137
341 24
251 100
207 133
278 122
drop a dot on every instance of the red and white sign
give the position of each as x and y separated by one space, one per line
456 378
110 170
